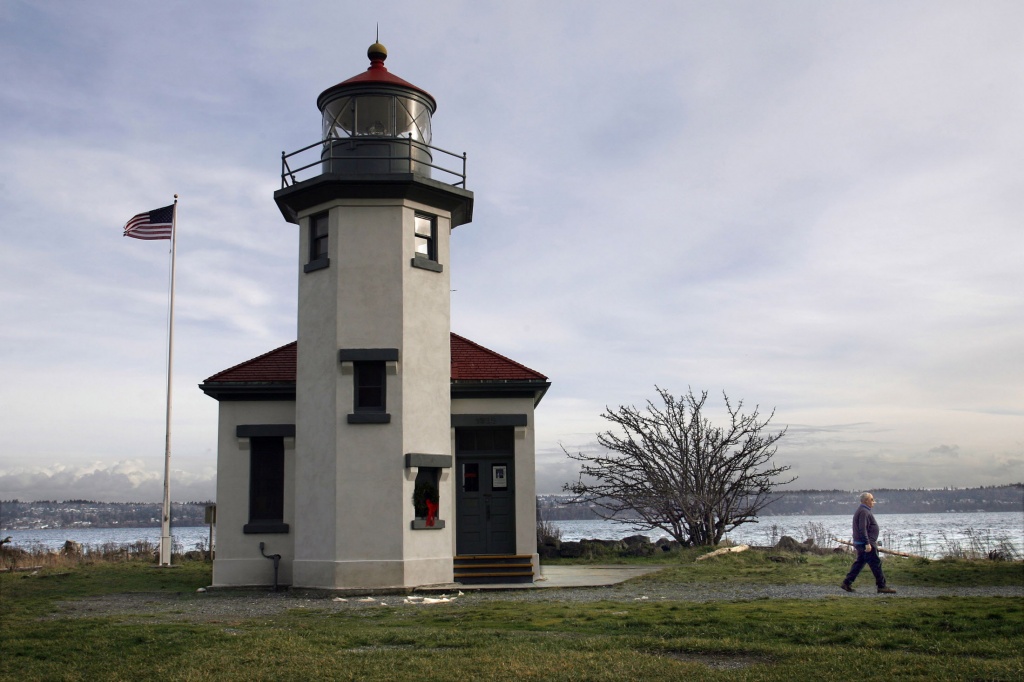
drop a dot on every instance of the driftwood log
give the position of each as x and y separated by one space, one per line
724 550
885 551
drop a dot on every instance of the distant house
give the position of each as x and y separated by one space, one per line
379 450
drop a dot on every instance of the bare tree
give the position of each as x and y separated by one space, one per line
677 472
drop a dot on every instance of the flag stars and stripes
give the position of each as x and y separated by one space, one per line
155 224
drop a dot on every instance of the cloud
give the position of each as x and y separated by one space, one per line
945 451
813 207
123 481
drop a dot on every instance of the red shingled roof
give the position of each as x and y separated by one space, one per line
470 362
473 362
277 366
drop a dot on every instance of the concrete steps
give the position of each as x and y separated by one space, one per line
493 569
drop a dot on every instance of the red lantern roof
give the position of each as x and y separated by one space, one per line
376 74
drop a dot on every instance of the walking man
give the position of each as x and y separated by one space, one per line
865 539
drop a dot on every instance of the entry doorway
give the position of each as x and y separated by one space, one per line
485 506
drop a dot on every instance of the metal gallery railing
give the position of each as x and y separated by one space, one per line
407 156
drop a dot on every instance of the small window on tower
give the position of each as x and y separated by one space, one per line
370 385
426 243
317 242
369 369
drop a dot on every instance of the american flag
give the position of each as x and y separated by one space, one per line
155 224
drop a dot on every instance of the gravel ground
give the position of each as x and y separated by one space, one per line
221 606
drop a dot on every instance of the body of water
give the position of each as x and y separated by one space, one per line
925 534
184 539
931 535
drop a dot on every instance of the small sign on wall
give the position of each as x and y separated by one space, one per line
499 477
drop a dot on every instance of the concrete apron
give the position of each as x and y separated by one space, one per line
558 576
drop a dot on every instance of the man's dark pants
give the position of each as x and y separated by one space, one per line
871 559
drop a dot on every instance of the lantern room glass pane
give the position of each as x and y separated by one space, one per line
413 117
374 115
339 118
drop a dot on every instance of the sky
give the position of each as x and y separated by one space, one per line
812 207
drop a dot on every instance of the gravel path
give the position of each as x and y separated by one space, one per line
218 606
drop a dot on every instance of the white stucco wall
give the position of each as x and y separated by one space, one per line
426 399
237 560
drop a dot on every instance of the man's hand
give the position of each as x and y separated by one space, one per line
867 548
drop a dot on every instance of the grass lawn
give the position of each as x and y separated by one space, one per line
835 639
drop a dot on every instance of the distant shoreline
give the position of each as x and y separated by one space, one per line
72 514
1005 498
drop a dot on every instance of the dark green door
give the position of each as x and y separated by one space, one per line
485 491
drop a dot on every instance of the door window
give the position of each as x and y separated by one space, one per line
470 477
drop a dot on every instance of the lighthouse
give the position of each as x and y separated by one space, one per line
379 450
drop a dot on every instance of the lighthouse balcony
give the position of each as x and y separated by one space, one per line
374 166
369 155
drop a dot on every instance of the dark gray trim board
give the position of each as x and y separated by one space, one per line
427 264
463 420
265 431
417 459
369 418
318 264
327 187
247 390
264 527
285 390
367 354
500 389
421 524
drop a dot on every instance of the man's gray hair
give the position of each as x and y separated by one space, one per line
864 497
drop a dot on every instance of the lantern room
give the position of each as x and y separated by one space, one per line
376 122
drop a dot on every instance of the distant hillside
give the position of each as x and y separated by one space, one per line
899 501
15 515
823 502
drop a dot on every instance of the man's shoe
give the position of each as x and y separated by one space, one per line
886 590
846 587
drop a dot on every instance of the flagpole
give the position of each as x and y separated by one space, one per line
165 526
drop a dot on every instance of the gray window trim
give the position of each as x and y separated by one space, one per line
368 355
272 523
319 264
464 420
265 431
431 238
264 527
369 418
421 524
419 459
421 261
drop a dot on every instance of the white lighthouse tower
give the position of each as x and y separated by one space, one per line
373 368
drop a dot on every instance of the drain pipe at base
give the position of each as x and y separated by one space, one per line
276 558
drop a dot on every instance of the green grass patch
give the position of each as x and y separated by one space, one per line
835 638
782 568
34 593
